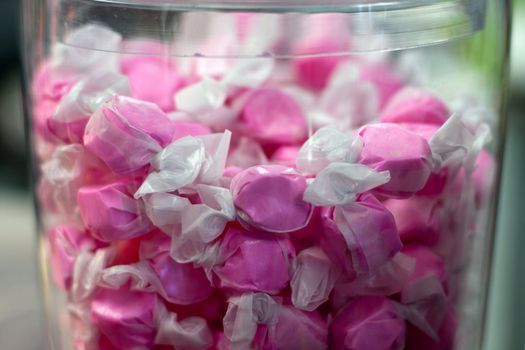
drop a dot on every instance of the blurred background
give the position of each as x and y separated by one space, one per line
19 306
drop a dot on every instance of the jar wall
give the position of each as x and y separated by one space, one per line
214 178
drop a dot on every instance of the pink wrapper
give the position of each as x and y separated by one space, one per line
360 237
273 117
415 106
407 156
127 133
254 262
65 243
126 318
368 323
270 198
417 219
111 213
182 283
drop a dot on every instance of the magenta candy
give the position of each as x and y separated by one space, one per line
286 155
404 154
385 80
296 329
416 339
111 213
253 262
127 133
65 243
183 284
270 198
124 317
271 116
359 238
415 106
368 323
417 219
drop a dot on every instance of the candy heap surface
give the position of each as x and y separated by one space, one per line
310 203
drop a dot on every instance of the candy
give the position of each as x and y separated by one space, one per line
285 155
254 263
386 82
360 237
65 243
75 108
368 323
269 198
182 283
417 219
415 106
325 146
127 133
339 183
271 116
405 155
248 153
296 329
110 212
125 317
415 339
313 278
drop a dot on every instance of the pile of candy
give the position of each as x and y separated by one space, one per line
312 203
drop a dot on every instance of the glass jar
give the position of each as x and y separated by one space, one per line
265 174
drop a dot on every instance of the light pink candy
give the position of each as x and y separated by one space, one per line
374 235
415 106
314 71
286 155
186 128
127 133
385 80
368 323
152 77
273 117
253 262
65 243
404 154
417 219
296 329
183 284
270 198
124 317
111 213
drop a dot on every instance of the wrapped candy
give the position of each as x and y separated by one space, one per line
126 318
65 243
186 160
415 106
325 146
368 323
111 213
272 117
285 155
127 133
253 262
313 278
296 329
270 198
424 294
182 283
417 219
407 156
416 339
388 280
340 183
74 110
386 82
187 128
360 237
247 153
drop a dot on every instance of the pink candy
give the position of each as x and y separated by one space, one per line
253 262
368 323
270 198
271 116
111 213
404 154
127 133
